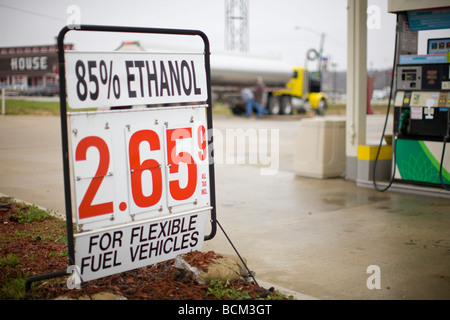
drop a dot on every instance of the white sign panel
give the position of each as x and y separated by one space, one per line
105 79
137 164
118 249
140 177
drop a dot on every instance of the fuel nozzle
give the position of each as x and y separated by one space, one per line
403 121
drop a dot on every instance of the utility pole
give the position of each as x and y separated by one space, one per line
236 25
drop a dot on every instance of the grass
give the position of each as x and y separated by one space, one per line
26 213
29 107
10 261
32 213
23 227
14 287
52 108
340 108
32 107
52 230
224 290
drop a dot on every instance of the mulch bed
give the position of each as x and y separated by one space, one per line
40 249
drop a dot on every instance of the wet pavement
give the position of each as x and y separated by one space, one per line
317 237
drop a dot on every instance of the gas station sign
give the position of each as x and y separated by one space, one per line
140 180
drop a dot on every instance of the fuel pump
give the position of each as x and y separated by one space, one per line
421 119
421 103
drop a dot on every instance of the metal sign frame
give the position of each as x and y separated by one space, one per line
65 133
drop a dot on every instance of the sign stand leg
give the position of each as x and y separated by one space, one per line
43 277
63 115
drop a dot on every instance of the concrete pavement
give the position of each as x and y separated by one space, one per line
316 237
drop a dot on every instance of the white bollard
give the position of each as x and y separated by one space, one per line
3 101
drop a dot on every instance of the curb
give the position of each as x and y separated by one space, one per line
287 292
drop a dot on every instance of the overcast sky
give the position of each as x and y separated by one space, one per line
284 29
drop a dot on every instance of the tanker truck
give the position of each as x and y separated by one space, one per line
287 88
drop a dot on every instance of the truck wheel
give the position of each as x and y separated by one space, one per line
273 105
237 110
321 107
286 105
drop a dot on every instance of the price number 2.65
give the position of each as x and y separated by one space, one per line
157 160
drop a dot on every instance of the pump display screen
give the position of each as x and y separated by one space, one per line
409 75
433 76
409 78
430 77
436 46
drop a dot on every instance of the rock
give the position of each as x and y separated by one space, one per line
5 207
182 264
221 269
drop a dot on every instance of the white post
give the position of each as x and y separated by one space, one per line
3 101
356 83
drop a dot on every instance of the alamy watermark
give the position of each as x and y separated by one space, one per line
374 280
74 19
74 280
373 17
259 147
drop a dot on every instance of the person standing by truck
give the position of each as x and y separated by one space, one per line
248 98
259 96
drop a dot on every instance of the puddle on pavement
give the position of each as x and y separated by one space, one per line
346 199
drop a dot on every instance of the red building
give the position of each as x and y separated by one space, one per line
22 68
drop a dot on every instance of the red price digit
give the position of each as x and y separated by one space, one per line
183 183
174 160
87 209
201 140
137 168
